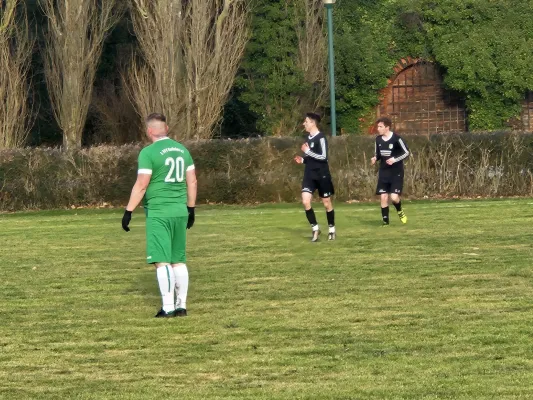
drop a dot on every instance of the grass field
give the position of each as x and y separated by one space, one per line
438 309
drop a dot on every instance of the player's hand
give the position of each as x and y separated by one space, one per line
126 220
373 160
190 221
298 159
305 147
391 161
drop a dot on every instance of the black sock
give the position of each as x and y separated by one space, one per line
331 217
398 206
385 214
310 214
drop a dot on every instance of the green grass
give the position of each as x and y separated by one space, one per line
438 309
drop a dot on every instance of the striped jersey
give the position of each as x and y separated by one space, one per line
395 147
316 158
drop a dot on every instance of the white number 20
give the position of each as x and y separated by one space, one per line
178 166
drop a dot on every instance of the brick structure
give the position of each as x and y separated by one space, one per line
417 102
527 112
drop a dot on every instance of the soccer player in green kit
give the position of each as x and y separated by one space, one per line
166 179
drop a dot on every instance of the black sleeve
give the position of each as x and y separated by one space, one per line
322 156
377 154
404 149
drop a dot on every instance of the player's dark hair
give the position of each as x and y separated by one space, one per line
313 116
156 117
386 121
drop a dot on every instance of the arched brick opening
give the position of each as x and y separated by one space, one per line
417 102
527 112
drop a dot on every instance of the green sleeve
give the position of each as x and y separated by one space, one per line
145 162
189 163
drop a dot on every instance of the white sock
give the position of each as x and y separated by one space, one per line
315 228
331 229
182 285
167 281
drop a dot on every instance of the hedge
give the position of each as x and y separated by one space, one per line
261 170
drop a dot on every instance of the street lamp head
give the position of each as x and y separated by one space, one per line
329 1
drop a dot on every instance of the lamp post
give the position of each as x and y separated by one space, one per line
329 9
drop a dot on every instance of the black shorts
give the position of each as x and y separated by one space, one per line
318 180
390 182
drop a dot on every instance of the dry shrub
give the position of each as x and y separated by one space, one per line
262 170
45 178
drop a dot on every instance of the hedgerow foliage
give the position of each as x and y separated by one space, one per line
262 170
484 48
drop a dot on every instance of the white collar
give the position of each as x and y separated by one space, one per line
389 138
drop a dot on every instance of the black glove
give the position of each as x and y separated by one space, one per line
190 221
126 220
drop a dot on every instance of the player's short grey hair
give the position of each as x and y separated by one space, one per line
156 117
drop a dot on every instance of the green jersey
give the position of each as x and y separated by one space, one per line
167 161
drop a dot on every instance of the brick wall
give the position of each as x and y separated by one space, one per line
417 101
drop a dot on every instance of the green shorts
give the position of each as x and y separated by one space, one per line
166 239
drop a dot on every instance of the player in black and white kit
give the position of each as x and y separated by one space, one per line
316 175
391 150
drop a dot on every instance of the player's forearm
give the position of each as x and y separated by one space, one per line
191 194
311 154
137 194
405 151
402 157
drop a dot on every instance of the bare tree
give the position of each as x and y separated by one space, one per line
312 57
117 120
283 113
15 55
191 51
74 41
156 79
